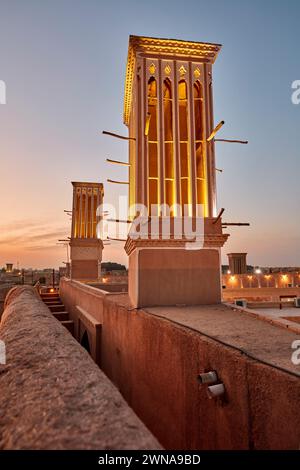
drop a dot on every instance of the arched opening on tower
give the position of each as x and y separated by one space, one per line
168 143
152 145
184 147
199 145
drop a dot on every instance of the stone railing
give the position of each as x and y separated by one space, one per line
53 396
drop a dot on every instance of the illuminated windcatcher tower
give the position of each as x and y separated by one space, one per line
168 95
168 109
86 248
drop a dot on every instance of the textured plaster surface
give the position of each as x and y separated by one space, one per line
154 357
53 396
266 342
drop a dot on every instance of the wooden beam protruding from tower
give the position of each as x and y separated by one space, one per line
118 136
215 130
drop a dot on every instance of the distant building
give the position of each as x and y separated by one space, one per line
86 247
278 279
9 267
237 263
65 271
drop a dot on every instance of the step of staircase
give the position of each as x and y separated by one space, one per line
50 297
69 324
57 308
61 316
49 294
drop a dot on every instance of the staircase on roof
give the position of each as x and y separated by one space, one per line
58 310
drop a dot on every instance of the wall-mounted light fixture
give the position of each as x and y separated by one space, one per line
215 391
210 377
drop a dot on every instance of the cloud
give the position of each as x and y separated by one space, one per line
32 235
20 225
48 235
43 247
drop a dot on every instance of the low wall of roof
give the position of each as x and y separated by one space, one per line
4 289
269 294
155 360
53 396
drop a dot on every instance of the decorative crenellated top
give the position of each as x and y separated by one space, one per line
205 52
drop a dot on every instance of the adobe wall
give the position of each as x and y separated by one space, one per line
53 396
170 273
3 292
75 293
110 286
279 280
155 363
271 294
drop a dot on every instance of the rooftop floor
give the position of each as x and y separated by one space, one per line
279 313
239 329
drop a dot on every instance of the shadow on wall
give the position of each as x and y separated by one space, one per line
85 342
123 287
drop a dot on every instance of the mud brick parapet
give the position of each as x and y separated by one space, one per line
53 396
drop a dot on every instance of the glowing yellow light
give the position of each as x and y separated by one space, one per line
284 277
152 68
250 277
104 280
51 290
267 276
228 272
147 124
232 278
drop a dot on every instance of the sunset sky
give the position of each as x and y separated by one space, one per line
63 62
